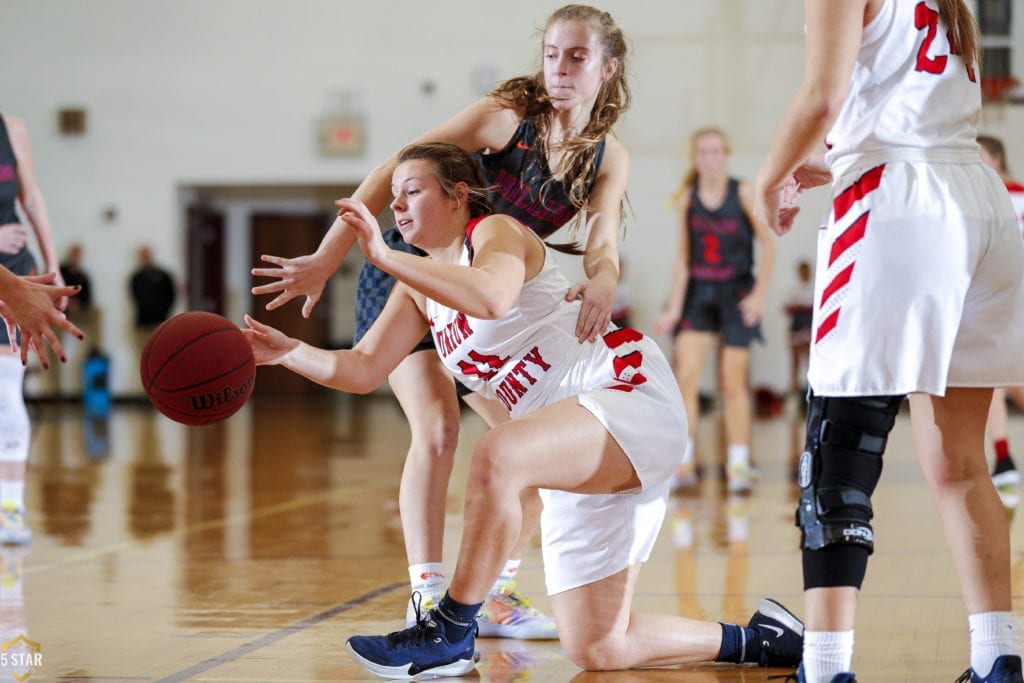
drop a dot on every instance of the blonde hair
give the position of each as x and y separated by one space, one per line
689 181
529 94
963 29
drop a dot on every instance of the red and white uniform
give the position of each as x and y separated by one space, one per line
530 358
918 284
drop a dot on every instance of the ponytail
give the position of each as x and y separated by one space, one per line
963 29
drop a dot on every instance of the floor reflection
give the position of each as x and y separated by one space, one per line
249 550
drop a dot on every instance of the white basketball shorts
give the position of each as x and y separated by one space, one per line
587 537
918 284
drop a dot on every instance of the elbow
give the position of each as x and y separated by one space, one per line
822 106
493 308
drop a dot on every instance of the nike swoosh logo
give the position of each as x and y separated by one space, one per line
775 629
520 145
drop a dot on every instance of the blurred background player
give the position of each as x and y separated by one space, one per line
18 188
716 295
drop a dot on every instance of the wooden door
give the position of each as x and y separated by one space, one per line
289 235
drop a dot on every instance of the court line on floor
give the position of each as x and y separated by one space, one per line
271 638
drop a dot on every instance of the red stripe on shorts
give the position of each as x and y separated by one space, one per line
827 325
850 237
861 188
838 282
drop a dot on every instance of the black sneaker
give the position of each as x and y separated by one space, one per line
1006 669
781 634
1005 474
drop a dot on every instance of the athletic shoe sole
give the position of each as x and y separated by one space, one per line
1006 479
773 610
402 673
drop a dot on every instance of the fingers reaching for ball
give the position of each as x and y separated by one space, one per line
269 345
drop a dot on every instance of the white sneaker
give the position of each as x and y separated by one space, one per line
739 477
507 614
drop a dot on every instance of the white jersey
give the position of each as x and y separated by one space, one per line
908 90
530 358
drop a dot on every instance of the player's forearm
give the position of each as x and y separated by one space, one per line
766 265
344 370
39 218
803 125
474 291
375 192
677 291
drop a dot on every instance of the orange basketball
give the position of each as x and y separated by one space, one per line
198 368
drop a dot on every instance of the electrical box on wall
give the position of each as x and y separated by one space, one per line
71 120
342 136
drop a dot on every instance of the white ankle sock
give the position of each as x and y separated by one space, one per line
14 423
13 492
826 653
738 452
428 578
508 573
991 637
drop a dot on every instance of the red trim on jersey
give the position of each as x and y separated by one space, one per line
471 226
838 282
850 237
1014 186
861 188
618 337
827 325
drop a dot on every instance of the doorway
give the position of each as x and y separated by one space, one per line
289 235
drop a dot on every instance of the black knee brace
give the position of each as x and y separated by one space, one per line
839 468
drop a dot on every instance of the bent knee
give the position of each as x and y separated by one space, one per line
598 655
435 439
493 460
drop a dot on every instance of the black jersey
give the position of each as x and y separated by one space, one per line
721 241
8 178
517 174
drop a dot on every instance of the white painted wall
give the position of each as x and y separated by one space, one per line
228 92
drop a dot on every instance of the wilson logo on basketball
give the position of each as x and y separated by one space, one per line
210 400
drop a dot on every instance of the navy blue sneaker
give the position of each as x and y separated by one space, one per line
781 634
419 652
1006 669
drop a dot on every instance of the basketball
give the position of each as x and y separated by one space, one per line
197 368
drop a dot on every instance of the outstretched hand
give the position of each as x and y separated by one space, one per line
357 215
300 276
33 310
269 345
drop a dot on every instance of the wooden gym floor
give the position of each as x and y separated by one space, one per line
250 550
